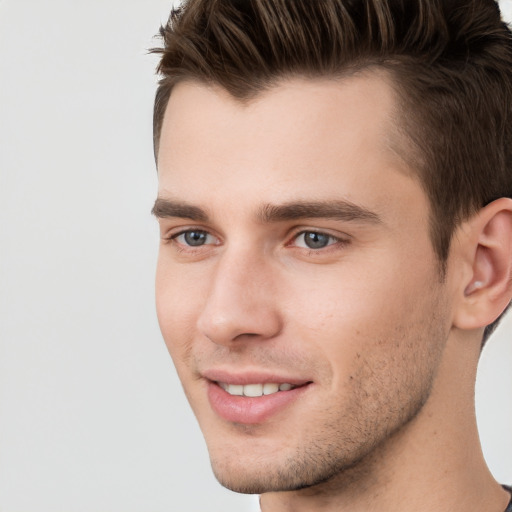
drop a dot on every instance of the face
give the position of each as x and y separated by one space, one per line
297 288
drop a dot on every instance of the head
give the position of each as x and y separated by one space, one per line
450 63
404 103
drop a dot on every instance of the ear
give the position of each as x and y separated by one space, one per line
486 289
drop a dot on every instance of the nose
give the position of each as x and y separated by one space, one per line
241 303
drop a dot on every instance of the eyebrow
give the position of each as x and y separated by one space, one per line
336 210
165 208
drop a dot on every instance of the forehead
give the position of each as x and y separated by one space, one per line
301 139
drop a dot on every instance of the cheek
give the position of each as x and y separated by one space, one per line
178 303
354 317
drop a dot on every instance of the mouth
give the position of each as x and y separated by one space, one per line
251 400
256 390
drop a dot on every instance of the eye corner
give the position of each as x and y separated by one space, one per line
317 243
192 239
313 239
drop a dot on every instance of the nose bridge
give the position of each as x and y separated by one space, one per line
240 300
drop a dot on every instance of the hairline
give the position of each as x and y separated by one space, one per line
385 69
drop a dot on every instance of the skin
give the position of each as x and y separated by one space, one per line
366 320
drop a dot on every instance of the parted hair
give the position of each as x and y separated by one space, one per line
450 62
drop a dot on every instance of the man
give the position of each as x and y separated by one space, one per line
336 220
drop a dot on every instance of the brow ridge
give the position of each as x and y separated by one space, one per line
335 209
165 208
270 213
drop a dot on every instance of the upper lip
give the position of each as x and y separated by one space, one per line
251 377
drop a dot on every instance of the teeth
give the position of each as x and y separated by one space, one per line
268 388
255 390
235 389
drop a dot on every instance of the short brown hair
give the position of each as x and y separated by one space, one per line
451 61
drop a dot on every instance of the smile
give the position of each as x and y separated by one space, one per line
253 403
255 390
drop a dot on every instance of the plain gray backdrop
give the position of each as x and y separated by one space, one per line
92 416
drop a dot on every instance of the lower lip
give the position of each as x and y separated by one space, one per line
248 410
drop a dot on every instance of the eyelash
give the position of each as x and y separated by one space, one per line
182 246
332 240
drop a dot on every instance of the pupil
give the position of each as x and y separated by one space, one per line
316 240
195 238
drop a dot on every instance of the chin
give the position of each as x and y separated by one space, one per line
281 474
259 480
337 455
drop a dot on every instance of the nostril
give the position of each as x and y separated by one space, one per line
248 335
238 310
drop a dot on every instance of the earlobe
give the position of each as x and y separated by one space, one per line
488 291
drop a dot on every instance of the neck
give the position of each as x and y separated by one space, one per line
434 463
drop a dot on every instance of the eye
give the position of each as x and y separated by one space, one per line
314 240
194 238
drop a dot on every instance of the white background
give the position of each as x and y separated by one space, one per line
92 417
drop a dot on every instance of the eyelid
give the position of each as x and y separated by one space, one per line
185 232
331 239
171 234
338 237
173 229
336 240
